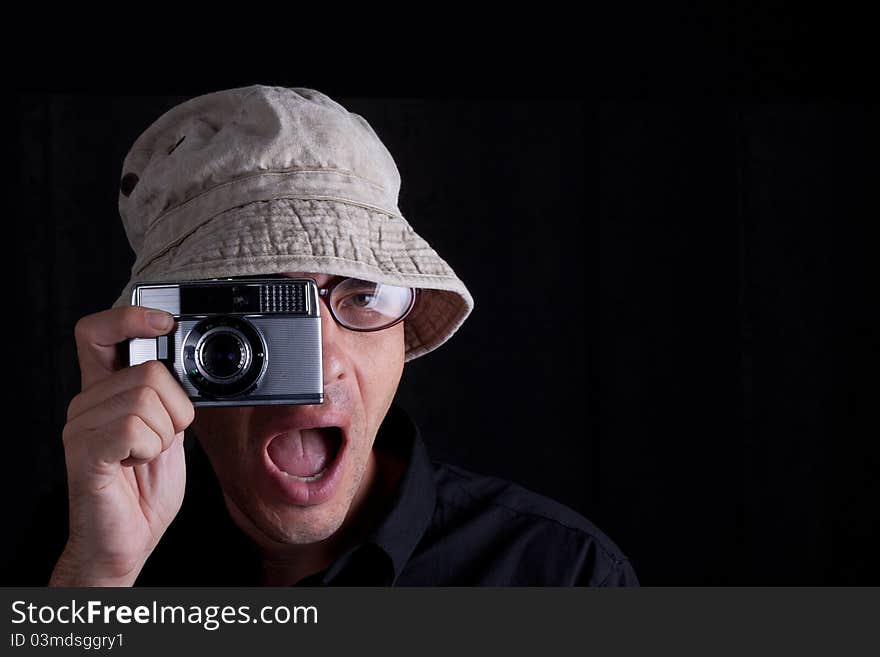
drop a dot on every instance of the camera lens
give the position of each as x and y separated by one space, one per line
223 355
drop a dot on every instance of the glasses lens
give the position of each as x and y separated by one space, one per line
370 306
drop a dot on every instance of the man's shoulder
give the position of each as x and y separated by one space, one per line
458 485
518 511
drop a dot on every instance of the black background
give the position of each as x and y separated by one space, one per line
675 323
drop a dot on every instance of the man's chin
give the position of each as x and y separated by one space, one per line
278 525
301 526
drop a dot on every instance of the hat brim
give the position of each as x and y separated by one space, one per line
321 236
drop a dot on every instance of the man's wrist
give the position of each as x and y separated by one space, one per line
72 571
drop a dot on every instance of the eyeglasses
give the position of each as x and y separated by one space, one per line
367 306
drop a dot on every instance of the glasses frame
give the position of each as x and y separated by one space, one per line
326 292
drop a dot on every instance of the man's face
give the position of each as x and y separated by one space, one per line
361 374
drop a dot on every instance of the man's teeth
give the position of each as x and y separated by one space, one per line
313 477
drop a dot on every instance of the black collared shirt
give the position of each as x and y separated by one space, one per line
444 526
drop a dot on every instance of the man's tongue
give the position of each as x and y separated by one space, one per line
301 453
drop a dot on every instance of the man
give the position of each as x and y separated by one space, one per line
270 181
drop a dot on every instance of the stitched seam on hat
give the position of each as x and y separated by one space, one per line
359 204
181 238
275 172
204 263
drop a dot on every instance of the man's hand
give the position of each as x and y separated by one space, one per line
123 445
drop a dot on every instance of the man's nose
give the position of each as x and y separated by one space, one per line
334 357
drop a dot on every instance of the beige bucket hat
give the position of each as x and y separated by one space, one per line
263 180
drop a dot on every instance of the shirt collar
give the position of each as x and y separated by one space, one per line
412 506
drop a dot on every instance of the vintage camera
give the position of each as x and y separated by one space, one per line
238 342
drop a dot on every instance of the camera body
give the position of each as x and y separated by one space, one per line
237 342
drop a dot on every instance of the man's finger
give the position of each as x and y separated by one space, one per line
126 436
98 335
153 375
141 401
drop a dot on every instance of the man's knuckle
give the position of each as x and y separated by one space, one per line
143 396
80 329
130 314
68 433
183 416
130 425
155 370
188 414
73 408
152 374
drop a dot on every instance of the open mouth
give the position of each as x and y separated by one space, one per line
306 455
307 463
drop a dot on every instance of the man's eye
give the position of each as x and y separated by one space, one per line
362 300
